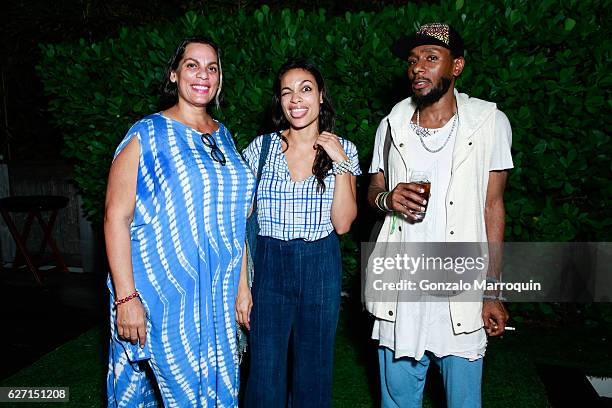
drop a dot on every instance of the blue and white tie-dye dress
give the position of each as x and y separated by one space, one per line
187 239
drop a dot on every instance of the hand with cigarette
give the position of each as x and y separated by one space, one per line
495 315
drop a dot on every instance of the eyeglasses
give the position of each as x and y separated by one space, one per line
215 153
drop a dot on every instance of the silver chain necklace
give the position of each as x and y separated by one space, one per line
423 133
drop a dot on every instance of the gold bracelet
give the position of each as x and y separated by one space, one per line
381 201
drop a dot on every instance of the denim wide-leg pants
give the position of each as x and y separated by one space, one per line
296 297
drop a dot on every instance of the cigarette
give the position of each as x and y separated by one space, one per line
495 326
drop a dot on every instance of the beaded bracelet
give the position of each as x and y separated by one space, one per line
341 167
126 299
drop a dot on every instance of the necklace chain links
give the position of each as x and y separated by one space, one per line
424 133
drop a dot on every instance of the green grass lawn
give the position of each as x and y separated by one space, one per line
510 378
508 368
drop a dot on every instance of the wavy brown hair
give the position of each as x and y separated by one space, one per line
327 116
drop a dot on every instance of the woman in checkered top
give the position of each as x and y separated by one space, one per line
306 196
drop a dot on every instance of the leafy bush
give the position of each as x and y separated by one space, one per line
545 64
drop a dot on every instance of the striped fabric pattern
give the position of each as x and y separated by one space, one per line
287 209
187 239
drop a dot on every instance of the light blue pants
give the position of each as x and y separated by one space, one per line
402 380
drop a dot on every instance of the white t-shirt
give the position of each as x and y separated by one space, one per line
426 325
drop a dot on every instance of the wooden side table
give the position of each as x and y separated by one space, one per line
34 206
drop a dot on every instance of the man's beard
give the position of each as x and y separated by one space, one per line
434 95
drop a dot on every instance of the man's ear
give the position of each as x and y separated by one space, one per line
458 65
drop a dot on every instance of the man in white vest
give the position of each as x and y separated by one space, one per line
464 145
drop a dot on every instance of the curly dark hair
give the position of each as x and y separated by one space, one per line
327 116
169 90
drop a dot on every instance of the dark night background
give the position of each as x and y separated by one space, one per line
26 130
38 320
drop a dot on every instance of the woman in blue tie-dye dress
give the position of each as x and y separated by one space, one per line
176 206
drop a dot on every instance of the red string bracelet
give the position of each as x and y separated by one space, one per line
126 299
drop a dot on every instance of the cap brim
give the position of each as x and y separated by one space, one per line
402 47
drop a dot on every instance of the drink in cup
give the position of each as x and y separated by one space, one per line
423 180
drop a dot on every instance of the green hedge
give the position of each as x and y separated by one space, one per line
545 63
